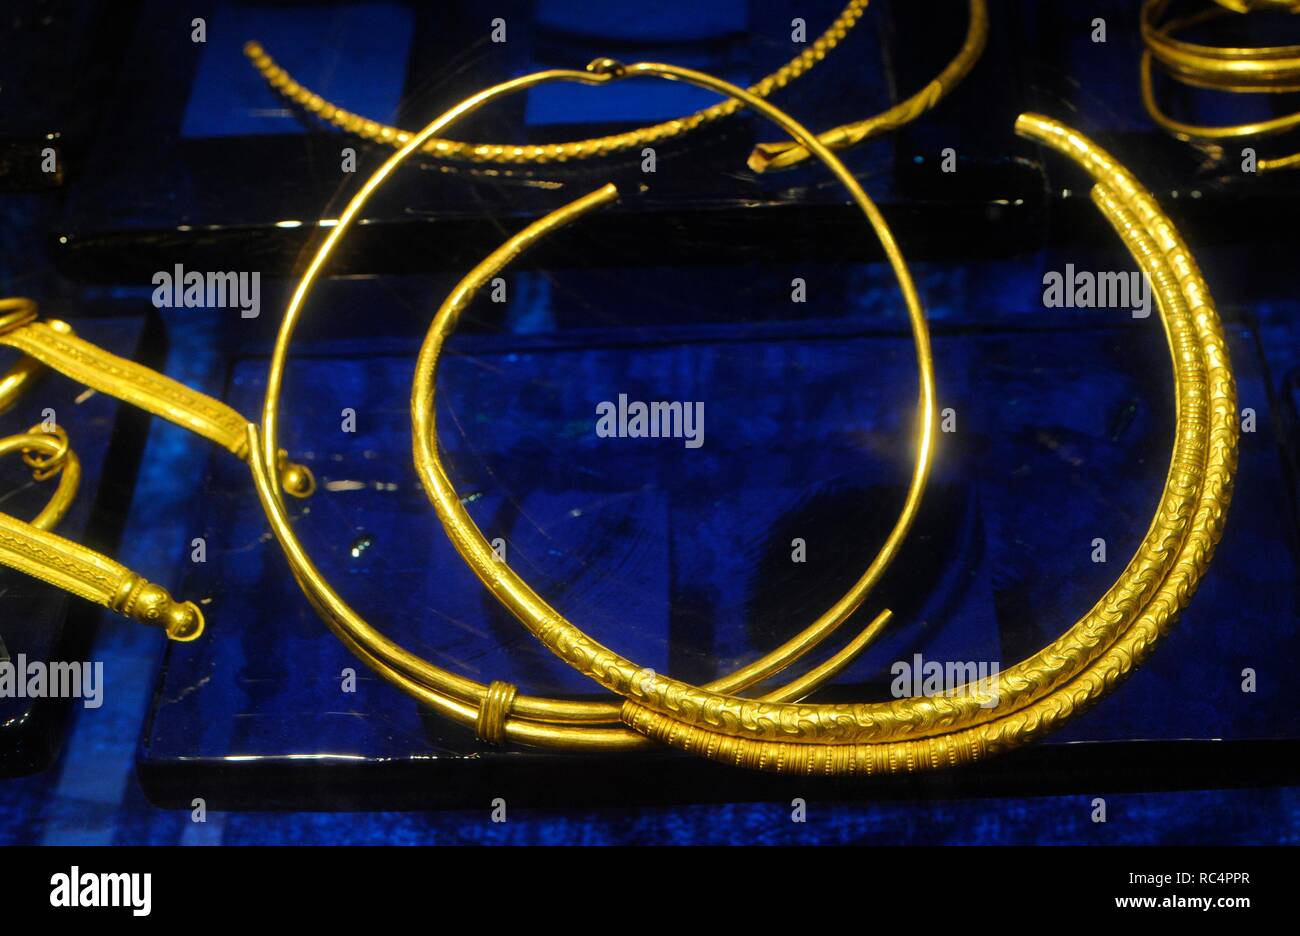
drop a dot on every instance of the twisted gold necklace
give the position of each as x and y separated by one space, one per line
766 156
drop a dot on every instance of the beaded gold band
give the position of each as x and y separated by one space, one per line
765 157
977 719
1270 70
30 548
498 714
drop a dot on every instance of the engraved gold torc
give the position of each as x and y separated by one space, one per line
1267 70
978 719
764 157
32 549
498 711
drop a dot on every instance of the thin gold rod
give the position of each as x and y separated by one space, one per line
17 380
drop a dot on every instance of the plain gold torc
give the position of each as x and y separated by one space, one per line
498 711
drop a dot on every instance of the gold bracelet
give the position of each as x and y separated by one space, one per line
498 711
30 548
1270 70
979 718
53 345
764 157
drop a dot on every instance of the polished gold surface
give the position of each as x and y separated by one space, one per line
768 156
554 722
1016 705
53 345
1248 6
17 380
49 455
30 548
765 157
1266 70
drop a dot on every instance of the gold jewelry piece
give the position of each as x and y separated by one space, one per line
785 154
52 344
497 711
48 454
1269 70
767 156
981 718
32 550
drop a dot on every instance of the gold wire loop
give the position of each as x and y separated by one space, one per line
48 454
48 464
492 714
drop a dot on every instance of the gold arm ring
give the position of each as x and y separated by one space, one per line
1267 70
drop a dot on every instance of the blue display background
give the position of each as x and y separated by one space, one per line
354 55
1064 428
